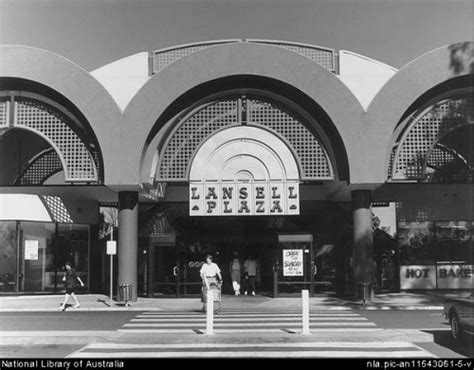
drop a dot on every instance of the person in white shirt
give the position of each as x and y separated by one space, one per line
209 273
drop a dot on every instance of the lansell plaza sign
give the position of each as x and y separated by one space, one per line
244 198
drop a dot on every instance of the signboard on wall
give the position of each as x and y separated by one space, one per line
442 276
111 247
31 250
244 198
292 262
418 277
455 276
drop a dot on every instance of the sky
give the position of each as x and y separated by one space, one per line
93 33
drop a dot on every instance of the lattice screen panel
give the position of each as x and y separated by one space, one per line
56 128
440 157
191 133
314 160
163 58
40 168
445 165
195 129
157 225
323 57
4 113
57 209
424 133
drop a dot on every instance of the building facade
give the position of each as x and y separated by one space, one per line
332 169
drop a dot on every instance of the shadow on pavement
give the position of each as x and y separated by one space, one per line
104 302
463 347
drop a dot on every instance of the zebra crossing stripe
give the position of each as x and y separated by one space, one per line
243 316
244 324
219 318
264 313
253 354
247 331
377 345
314 349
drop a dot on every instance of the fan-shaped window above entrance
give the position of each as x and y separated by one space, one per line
186 133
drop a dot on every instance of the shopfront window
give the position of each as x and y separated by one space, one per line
436 255
439 241
33 254
8 241
37 268
416 242
455 241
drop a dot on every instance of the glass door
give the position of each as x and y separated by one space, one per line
8 262
37 270
294 265
191 259
164 269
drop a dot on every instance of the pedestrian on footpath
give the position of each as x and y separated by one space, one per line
250 268
70 279
235 273
210 272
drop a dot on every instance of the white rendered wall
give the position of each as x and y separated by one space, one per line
124 77
23 207
363 76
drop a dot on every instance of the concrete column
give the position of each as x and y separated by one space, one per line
128 240
363 242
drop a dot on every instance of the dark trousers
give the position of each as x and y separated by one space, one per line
250 284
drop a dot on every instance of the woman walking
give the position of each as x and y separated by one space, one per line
209 274
70 278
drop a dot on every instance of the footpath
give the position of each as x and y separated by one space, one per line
100 302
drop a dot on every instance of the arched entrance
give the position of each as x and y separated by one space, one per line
242 157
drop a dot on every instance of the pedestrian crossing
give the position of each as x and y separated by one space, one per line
247 322
254 350
339 325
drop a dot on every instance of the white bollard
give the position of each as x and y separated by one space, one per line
305 313
210 313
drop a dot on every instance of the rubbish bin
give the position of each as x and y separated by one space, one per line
125 293
364 292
